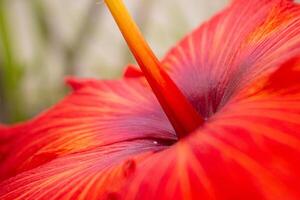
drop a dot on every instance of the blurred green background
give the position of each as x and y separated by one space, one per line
43 41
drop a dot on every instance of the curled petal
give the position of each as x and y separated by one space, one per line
96 114
132 71
244 41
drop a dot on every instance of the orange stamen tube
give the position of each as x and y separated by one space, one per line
182 115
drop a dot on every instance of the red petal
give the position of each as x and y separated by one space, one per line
97 113
3 141
94 174
132 71
249 150
223 55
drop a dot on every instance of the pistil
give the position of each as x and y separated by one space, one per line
181 114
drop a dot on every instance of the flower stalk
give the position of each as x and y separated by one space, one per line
181 114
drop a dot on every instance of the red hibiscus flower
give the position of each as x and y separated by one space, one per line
224 122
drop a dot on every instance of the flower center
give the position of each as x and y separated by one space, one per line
181 114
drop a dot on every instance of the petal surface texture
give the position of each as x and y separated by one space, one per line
111 139
249 150
96 114
239 44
